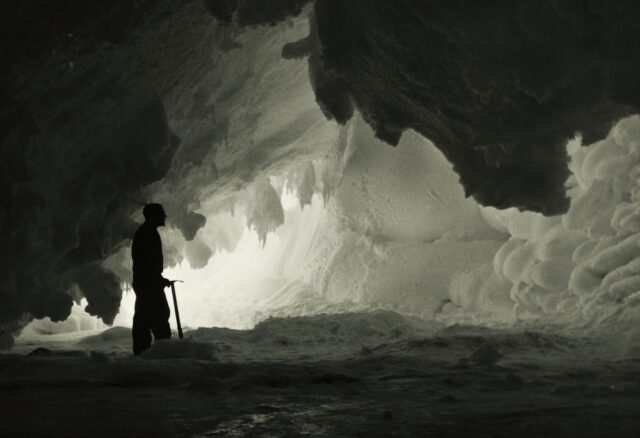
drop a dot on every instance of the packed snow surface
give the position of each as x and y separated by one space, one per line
350 374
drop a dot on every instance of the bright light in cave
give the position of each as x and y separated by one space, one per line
236 287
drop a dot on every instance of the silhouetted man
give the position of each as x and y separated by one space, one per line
152 310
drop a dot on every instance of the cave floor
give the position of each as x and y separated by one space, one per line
450 384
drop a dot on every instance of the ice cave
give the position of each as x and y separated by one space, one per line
391 218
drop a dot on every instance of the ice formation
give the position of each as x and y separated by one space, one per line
396 238
583 264
221 119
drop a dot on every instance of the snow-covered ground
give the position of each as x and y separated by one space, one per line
350 374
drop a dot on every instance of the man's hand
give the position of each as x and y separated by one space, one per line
166 282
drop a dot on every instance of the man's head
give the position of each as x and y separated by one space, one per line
154 214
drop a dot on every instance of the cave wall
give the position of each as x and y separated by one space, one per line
109 106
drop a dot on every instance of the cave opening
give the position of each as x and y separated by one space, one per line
391 218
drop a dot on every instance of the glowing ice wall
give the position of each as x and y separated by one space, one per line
398 228
400 234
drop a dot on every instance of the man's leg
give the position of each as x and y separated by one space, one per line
161 330
161 313
141 327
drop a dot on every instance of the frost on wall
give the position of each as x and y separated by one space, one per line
583 266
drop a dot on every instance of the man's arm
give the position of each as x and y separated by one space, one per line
146 252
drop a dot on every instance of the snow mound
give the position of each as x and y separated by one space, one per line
485 355
180 349
507 339
342 328
345 327
326 336
114 338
